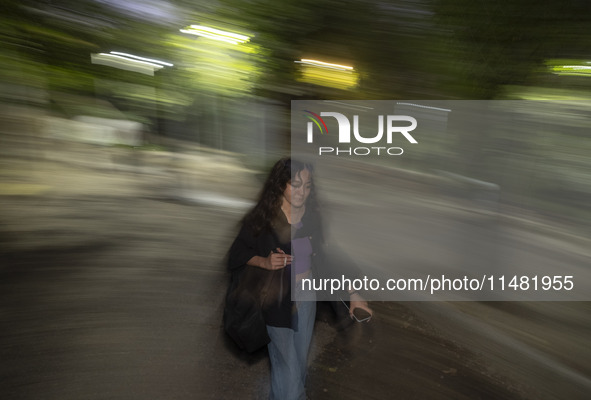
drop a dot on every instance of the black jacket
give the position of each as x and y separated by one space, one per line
274 286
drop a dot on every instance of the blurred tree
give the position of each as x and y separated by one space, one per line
47 45
497 43
401 49
381 41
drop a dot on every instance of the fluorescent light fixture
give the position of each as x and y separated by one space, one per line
166 64
575 67
323 64
129 62
132 61
580 70
216 34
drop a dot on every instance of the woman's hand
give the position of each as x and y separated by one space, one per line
275 260
356 301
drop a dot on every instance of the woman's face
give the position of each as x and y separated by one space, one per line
298 189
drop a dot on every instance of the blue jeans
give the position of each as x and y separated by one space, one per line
288 352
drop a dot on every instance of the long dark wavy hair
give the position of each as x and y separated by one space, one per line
268 206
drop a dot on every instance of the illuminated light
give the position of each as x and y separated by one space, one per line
157 66
126 63
323 64
216 34
571 69
167 64
238 37
214 37
328 74
575 67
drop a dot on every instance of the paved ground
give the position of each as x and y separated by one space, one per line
112 286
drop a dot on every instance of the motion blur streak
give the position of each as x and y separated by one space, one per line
216 34
325 64
142 58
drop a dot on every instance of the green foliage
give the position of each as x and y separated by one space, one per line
497 43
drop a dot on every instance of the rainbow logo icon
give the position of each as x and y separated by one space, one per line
316 119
